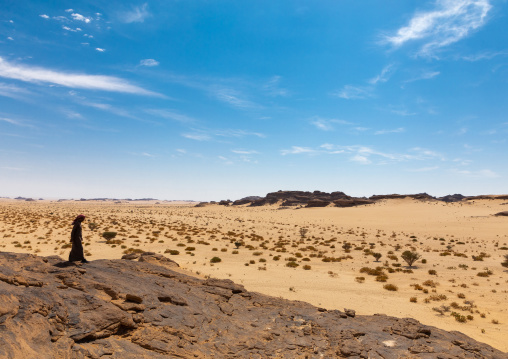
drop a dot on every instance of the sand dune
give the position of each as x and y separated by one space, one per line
447 236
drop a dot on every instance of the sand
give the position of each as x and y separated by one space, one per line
447 236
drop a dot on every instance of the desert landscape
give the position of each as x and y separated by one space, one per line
331 257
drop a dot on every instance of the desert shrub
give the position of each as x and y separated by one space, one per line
410 257
461 295
382 278
307 267
252 261
459 317
391 287
377 256
371 271
109 235
360 279
215 260
292 264
180 245
234 252
424 261
505 262
173 252
430 283
257 253
432 272
413 299
189 249
484 274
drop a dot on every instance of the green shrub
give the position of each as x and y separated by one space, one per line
109 235
391 287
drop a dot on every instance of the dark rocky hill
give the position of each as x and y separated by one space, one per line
147 309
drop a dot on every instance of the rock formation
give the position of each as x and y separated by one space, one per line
131 309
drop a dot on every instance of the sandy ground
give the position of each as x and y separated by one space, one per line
447 236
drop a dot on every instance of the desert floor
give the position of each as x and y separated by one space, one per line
450 289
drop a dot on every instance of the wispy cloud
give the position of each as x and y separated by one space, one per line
100 49
170 115
197 136
327 124
385 132
384 76
149 62
72 80
232 97
426 75
350 92
485 173
15 122
137 14
109 108
449 22
12 91
273 89
44 16
485 55
365 154
245 152
402 112
296 150
424 169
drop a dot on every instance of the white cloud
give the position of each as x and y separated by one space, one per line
69 10
12 91
137 14
232 97
149 62
384 75
449 22
67 28
44 16
486 173
384 132
327 124
197 136
273 89
73 80
10 38
237 133
486 55
15 122
295 150
361 159
79 17
403 112
170 115
244 152
424 169
100 49
349 92
424 76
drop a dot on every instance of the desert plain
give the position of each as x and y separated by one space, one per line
323 256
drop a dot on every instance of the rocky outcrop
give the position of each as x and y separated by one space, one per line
452 198
129 309
352 202
419 196
504 213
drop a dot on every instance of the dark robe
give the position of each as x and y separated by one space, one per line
77 245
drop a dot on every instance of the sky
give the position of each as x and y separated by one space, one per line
221 99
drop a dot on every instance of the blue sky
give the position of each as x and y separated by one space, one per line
210 100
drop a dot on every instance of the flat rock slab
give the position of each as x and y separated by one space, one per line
130 309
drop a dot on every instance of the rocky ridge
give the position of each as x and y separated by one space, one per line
148 309
337 199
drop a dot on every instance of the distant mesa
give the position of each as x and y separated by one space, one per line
336 199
